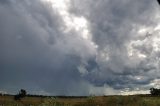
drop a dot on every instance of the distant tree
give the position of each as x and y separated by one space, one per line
22 93
155 91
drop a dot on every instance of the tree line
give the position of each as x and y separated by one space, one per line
23 93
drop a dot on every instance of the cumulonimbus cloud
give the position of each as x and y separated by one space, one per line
79 48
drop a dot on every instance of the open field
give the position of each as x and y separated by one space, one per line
85 101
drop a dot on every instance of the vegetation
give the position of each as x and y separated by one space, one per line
155 91
22 93
22 99
136 100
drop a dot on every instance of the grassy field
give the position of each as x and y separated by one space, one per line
86 101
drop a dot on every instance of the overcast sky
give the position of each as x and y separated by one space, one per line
79 47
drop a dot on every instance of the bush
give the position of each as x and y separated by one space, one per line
155 91
22 93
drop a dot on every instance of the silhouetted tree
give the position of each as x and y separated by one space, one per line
155 91
22 93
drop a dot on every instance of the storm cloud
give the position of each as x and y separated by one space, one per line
79 47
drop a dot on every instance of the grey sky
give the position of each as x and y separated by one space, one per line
79 47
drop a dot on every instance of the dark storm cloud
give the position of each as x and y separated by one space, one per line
35 54
112 24
39 55
4 1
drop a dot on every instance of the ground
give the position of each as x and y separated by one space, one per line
134 100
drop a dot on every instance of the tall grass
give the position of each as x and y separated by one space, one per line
52 102
90 101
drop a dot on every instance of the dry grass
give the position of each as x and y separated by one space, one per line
89 101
